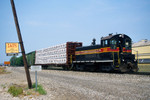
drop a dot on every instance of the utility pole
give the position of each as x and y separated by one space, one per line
21 45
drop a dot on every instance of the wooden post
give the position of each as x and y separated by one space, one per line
21 45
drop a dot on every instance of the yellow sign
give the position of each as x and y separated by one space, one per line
12 48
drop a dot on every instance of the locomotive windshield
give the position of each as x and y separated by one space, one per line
128 44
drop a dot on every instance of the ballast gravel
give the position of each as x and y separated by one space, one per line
74 85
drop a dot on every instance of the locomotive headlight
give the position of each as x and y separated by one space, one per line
121 35
135 60
122 59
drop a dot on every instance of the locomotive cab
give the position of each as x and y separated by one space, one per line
120 46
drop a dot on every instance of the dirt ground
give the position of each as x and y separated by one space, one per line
73 85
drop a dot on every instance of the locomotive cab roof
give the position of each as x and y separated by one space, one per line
115 36
119 38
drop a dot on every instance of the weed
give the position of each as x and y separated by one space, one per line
29 93
15 90
39 89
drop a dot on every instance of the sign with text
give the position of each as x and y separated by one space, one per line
36 68
6 62
12 48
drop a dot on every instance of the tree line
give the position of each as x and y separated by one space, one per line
18 61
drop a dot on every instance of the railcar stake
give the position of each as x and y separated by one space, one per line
21 45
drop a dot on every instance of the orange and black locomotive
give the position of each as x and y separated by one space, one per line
113 54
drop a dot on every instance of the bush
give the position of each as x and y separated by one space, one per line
39 89
15 90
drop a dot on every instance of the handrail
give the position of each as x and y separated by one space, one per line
137 54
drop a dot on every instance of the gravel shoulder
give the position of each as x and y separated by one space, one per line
72 85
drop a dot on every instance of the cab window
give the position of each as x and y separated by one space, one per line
113 44
105 42
128 44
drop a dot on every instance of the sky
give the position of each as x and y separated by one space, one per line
44 23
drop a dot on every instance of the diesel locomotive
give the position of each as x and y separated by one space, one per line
114 53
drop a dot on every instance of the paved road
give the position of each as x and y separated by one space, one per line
71 85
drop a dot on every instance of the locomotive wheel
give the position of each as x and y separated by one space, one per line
65 67
133 67
124 68
79 67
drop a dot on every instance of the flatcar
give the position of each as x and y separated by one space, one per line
58 55
113 54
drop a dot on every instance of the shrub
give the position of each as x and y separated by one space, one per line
15 90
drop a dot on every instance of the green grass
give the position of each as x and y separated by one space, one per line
15 90
39 89
144 67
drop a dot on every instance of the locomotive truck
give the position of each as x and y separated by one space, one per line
114 53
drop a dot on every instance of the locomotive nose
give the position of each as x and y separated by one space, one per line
129 67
